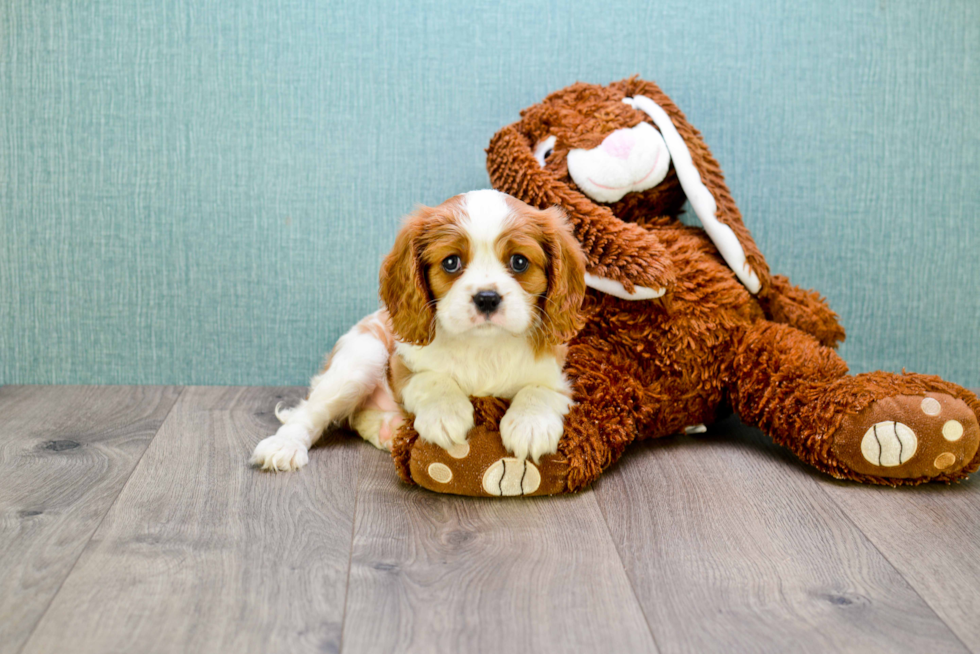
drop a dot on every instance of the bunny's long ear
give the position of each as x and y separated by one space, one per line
624 259
703 183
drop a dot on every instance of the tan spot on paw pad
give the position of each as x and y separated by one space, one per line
889 444
510 476
944 460
459 450
441 473
931 406
953 430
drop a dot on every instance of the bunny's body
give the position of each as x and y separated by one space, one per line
687 324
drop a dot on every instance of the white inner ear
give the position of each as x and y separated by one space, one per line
542 149
697 193
614 288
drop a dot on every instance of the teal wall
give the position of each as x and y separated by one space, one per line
201 191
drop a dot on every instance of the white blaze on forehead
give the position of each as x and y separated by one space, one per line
486 215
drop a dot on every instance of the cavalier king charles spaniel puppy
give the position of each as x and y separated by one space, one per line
479 296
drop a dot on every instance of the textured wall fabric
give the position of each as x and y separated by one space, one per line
200 191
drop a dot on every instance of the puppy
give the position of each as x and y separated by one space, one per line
480 294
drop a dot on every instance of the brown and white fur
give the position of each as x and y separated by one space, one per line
462 317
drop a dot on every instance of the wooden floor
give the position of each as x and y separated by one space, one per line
129 522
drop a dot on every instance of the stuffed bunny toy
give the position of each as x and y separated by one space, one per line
685 324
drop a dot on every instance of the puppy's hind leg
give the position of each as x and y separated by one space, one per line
355 367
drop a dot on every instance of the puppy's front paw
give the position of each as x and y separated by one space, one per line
280 453
445 422
531 432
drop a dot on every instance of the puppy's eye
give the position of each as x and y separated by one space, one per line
519 263
452 264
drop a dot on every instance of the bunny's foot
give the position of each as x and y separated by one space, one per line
926 436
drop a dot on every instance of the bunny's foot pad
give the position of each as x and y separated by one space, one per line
927 436
482 467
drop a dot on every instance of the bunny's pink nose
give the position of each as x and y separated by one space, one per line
620 143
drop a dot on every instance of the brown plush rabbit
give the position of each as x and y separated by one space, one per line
685 323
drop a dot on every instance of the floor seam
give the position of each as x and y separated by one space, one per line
350 553
629 580
88 541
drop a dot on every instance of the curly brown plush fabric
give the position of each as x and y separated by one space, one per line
651 368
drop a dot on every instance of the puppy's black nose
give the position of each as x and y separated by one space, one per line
487 301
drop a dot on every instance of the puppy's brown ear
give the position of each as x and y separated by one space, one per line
614 250
711 176
562 316
404 288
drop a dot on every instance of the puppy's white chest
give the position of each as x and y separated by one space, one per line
481 367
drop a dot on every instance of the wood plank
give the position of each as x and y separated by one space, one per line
731 546
437 573
65 454
201 553
931 534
